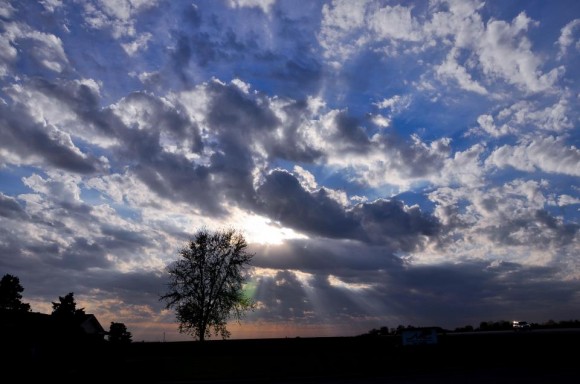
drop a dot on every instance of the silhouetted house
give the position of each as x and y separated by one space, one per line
91 327
29 336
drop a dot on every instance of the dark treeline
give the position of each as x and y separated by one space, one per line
500 325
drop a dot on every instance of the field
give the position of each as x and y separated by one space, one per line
484 357
533 355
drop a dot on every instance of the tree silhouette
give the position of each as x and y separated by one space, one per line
118 334
66 308
11 294
206 283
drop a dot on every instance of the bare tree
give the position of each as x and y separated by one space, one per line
206 283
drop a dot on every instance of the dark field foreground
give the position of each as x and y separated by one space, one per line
488 357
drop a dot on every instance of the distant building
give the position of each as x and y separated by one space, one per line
419 336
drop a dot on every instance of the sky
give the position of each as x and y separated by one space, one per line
389 162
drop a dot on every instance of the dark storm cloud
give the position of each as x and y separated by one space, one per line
82 254
285 200
350 134
284 298
159 116
238 113
20 135
349 259
120 238
10 208
469 290
390 223
291 146
234 119
10 249
83 100
137 288
171 176
422 295
414 159
241 119
384 222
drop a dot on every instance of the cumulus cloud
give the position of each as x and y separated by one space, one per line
10 207
566 38
380 222
513 215
28 142
264 5
493 50
451 69
43 49
117 16
548 154
504 52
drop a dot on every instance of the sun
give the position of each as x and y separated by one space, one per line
261 230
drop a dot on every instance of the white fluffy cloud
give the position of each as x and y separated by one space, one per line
548 154
494 51
567 38
44 48
118 16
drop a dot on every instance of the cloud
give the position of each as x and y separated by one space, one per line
564 200
25 141
10 208
548 154
394 293
395 104
451 69
510 221
392 223
284 199
487 124
73 107
566 38
504 53
264 5
117 16
51 5
341 24
394 23
525 116
492 51
382 222
42 49
149 113
140 43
